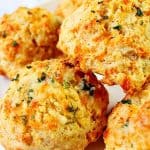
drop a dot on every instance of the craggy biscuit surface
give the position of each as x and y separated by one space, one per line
52 105
129 123
111 38
26 35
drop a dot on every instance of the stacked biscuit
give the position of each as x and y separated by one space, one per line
54 100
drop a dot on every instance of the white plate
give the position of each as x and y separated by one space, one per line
115 92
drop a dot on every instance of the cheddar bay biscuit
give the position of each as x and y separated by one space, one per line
129 123
111 38
26 35
52 105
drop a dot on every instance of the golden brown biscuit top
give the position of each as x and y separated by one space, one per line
131 125
111 38
26 35
52 94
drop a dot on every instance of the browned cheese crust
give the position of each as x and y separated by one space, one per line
52 105
129 123
111 38
26 35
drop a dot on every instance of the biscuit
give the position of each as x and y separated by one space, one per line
111 38
26 35
52 105
129 123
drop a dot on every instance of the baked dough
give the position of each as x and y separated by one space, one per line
111 38
129 123
52 105
26 35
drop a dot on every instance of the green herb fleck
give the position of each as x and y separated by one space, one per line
127 101
14 44
31 90
16 78
132 145
30 93
118 27
43 77
73 112
93 11
139 12
141 23
19 89
52 80
29 67
24 119
17 105
33 117
87 87
100 2
105 17
66 84
72 109
126 124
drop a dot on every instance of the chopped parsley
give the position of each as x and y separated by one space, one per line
100 2
87 87
105 17
66 84
42 78
30 95
16 78
33 117
126 124
14 44
93 11
31 90
52 80
139 12
29 67
132 145
141 23
73 112
19 89
118 27
127 101
72 109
